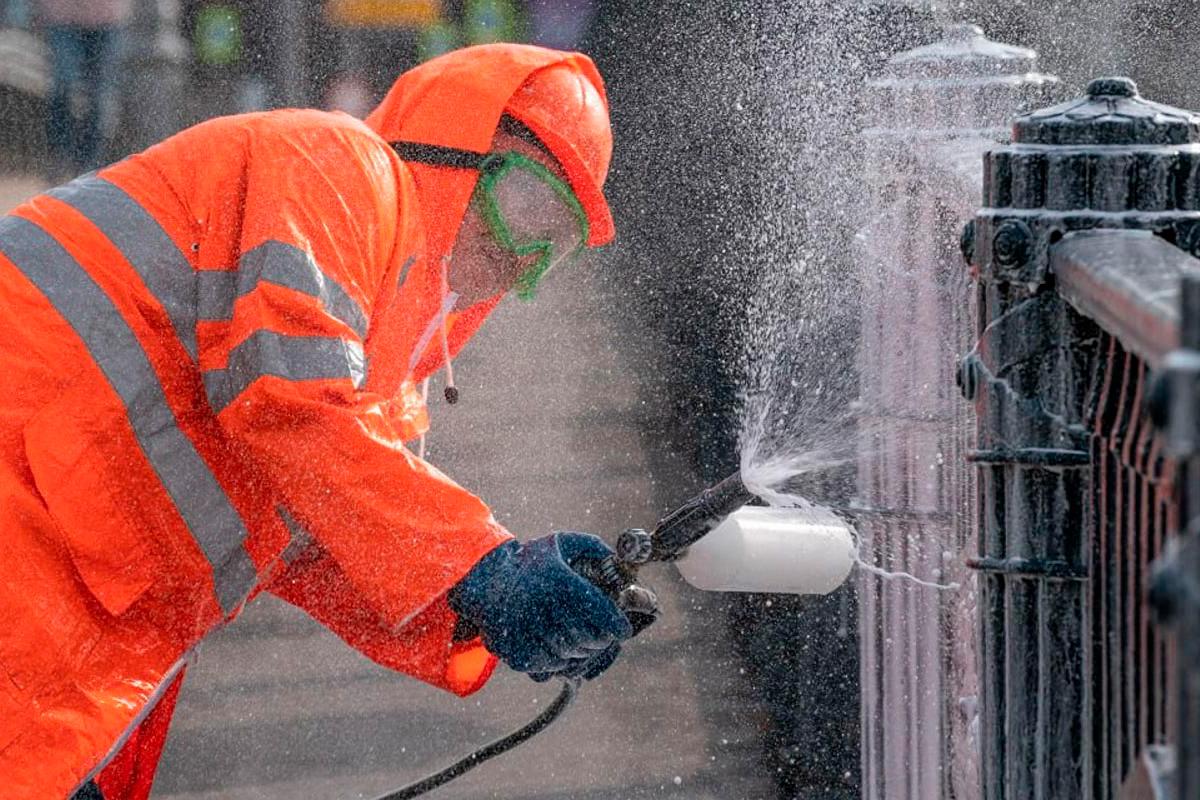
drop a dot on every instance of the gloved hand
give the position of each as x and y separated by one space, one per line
536 613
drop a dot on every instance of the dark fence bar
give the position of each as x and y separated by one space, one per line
1091 223
1175 581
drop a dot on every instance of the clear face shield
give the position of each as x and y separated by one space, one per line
530 212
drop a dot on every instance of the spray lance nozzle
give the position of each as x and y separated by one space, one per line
617 575
687 524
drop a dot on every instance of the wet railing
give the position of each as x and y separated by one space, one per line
1175 579
1082 251
1127 284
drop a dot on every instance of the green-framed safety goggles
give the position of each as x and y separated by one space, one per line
528 210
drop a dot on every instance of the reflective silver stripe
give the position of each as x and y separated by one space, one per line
294 358
213 522
284 265
185 293
301 538
153 254
216 291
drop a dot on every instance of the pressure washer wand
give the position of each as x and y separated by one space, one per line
690 522
674 533
617 576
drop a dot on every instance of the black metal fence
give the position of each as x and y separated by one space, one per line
1092 215
1175 579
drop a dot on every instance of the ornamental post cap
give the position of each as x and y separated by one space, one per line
1111 112
1112 87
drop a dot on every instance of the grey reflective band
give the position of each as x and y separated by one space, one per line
293 358
216 291
214 524
284 265
153 254
188 294
301 539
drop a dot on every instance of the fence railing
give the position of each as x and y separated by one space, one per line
1175 580
1127 284
1091 215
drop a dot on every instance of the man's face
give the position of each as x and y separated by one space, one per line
480 267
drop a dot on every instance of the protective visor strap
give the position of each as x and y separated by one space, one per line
439 155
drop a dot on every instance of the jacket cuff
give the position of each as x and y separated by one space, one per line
423 647
459 667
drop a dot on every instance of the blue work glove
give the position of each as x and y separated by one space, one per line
536 613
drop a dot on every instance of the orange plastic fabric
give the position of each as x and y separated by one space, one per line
107 582
130 775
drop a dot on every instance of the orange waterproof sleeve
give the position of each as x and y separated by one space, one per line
389 533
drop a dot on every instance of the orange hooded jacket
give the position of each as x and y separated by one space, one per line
209 355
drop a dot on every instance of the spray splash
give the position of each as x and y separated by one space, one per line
769 467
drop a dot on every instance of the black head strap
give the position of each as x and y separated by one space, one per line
439 155
442 156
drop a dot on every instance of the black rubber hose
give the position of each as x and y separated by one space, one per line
490 751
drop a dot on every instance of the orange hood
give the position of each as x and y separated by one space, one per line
455 100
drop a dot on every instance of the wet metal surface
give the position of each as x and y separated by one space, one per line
1128 282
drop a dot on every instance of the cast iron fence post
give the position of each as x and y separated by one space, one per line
1068 519
934 112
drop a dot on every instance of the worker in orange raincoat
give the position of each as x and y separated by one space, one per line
212 355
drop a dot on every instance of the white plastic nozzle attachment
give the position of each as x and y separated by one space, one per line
774 550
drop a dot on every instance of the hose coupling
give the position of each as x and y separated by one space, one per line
634 546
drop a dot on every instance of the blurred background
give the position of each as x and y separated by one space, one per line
607 401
